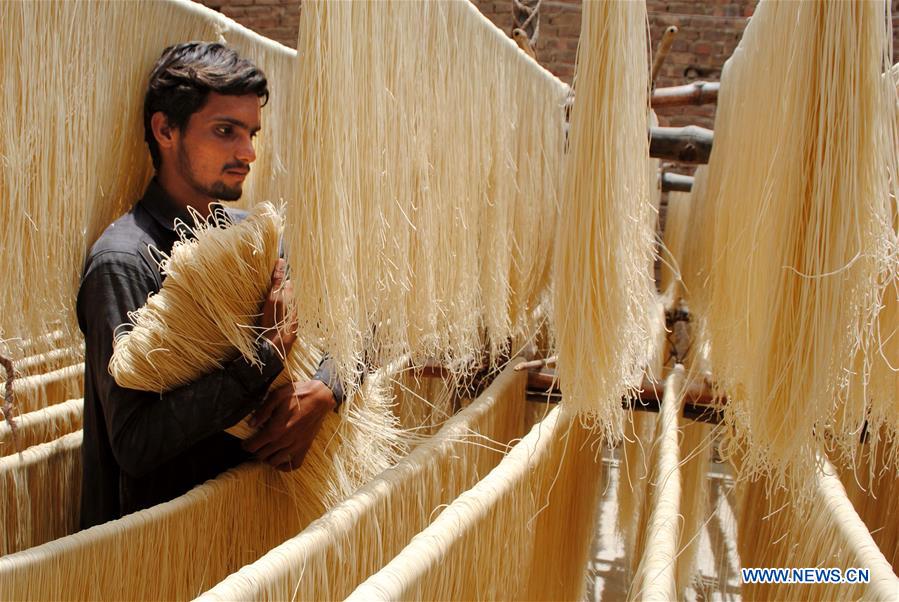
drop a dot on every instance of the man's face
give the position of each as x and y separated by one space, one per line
215 148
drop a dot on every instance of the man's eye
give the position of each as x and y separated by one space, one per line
223 130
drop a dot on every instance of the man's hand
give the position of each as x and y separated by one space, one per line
280 328
289 419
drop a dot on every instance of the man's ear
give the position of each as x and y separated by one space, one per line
163 132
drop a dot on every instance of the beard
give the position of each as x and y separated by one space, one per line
217 189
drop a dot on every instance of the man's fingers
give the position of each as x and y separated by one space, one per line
272 429
278 275
271 402
269 451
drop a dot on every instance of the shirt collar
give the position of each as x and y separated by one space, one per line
165 211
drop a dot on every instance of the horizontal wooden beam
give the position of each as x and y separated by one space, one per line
697 93
689 144
676 182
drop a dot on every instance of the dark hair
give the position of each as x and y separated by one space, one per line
184 76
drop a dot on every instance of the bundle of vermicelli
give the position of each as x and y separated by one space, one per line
633 481
803 227
773 531
42 426
698 245
430 168
58 197
674 238
528 524
403 498
634 454
660 539
695 444
205 315
603 288
216 278
41 492
44 390
207 534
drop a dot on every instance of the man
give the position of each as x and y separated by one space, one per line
201 112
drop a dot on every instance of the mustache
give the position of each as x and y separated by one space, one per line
239 166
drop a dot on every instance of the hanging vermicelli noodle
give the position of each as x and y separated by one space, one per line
42 426
375 523
41 493
656 554
75 85
50 360
494 542
695 445
633 479
674 240
802 227
422 403
205 535
603 289
698 248
634 452
432 182
44 390
872 485
773 531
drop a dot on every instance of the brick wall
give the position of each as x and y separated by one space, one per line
275 19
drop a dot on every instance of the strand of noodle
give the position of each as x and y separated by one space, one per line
43 425
603 287
803 225
774 531
484 544
367 529
41 491
443 140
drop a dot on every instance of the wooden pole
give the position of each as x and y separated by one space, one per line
662 51
697 93
676 182
688 144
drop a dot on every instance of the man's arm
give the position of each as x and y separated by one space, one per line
145 428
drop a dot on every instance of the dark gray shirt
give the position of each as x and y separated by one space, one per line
143 448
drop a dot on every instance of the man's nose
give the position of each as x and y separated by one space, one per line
246 150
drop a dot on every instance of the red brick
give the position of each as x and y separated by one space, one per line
703 48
